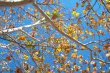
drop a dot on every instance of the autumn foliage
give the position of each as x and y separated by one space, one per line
50 36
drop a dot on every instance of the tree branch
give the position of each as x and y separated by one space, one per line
4 45
98 41
19 28
105 6
30 35
101 60
13 4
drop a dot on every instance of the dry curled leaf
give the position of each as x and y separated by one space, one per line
18 70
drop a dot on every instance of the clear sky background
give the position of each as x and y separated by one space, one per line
68 5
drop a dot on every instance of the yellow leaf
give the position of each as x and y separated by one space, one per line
35 58
74 12
37 52
84 11
25 57
60 15
48 13
74 45
58 49
100 31
109 18
74 55
107 1
95 47
77 15
88 69
57 40
87 31
90 33
18 51
83 47
75 37
55 11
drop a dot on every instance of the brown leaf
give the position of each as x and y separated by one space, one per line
8 58
77 4
46 1
18 70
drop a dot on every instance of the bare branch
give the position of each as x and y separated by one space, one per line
98 41
17 3
19 28
4 45
101 60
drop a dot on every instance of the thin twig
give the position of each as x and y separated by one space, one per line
97 41
101 60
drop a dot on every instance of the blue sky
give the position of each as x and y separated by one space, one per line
68 5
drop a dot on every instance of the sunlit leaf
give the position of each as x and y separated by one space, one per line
26 57
74 55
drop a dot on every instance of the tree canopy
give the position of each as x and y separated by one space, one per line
55 36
